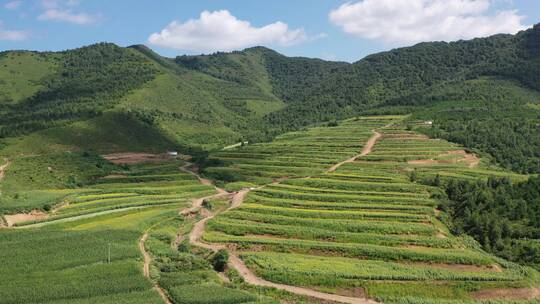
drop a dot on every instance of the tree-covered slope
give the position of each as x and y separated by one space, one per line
255 94
401 72
493 115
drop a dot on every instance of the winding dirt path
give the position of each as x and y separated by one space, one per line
147 257
248 275
251 278
365 151
3 168
146 268
235 262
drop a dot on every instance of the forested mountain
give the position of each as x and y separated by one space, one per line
465 87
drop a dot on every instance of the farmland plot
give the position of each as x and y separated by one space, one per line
366 225
87 250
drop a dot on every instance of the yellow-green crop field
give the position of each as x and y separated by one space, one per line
365 225
368 229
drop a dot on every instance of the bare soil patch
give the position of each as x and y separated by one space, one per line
132 158
507 294
470 159
440 235
113 176
3 169
25 217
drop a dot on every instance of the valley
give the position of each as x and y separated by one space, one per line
357 226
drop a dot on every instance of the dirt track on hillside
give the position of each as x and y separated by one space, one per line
147 257
250 277
3 169
146 268
235 262
368 147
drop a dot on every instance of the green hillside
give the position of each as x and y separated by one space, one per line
104 98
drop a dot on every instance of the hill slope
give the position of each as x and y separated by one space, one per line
211 101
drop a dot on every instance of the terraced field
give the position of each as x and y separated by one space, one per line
364 229
328 214
295 154
139 187
113 242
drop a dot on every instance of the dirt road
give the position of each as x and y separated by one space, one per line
236 263
3 169
202 180
365 151
250 277
147 257
146 268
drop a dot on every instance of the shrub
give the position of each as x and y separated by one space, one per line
220 259
184 246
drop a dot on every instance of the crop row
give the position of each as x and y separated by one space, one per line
333 197
283 202
334 214
244 228
384 227
314 270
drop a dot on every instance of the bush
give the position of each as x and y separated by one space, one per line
220 259
207 204
332 123
184 246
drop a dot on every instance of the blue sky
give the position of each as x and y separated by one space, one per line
328 29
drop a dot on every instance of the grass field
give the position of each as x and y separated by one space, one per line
22 75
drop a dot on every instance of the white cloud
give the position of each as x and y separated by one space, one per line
62 15
406 22
221 31
61 11
13 5
11 35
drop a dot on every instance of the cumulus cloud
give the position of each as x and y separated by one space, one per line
11 35
68 16
407 22
221 31
13 5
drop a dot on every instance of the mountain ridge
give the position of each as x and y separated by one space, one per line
209 101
